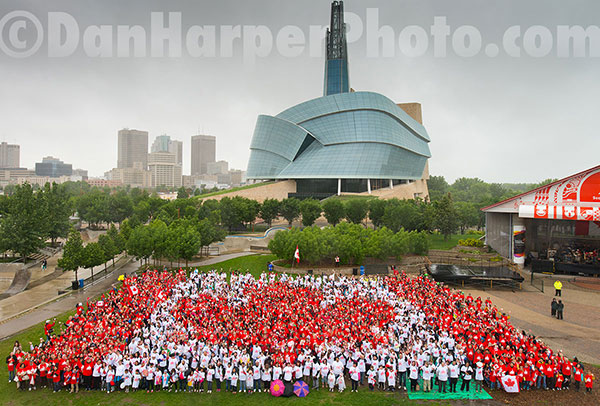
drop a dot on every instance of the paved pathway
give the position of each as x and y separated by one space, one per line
21 303
577 335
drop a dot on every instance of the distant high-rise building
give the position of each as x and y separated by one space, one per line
53 168
204 151
164 169
217 168
9 155
164 143
133 147
134 177
81 172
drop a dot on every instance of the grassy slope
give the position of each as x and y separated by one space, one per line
254 264
437 242
235 189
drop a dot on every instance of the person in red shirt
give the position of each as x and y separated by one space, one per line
567 370
589 382
559 381
86 372
549 372
11 360
578 376
54 376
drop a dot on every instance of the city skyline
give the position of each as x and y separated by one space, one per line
487 116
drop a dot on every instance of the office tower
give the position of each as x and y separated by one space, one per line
203 152
53 168
217 168
9 155
164 169
164 143
132 148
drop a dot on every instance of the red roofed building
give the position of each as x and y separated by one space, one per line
555 227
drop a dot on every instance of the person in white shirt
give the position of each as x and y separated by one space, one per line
478 376
288 372
442 376
427 374
381 377
454 371
331 381
413 375
276 372
372 378
354 377
391 376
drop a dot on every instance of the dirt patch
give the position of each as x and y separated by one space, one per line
587 285
550 397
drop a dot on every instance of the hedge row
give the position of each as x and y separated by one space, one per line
351 242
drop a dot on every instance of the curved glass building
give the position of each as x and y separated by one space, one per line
345 141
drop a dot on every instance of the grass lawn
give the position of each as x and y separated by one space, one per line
352 197
255 264
234 189
437 241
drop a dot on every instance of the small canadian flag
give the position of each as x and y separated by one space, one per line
510 384
133 290
100 303
297 255
160 295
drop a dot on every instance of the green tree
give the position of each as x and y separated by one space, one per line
334 211
269 210
188 242
405 214
310 209
437 186
159 239
467 215
445 219
139 243
182 193
356 210
125 232
231 212
250 209
108 248
23 227
72 257
92 256
290 209
117 240
376 211
58 209
119 206
209 232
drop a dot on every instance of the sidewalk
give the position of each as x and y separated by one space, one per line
27 304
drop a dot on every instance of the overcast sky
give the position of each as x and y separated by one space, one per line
502 119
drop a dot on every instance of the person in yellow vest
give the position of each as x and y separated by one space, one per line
558 288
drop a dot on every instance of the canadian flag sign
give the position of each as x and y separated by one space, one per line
297 255
133 290
510 384
100 303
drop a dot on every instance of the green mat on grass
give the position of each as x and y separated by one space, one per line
434 394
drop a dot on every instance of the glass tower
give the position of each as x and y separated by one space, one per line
336 64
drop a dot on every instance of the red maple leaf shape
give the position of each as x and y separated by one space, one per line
510 382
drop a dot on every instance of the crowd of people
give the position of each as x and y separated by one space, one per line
201 332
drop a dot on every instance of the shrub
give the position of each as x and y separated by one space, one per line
471 242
